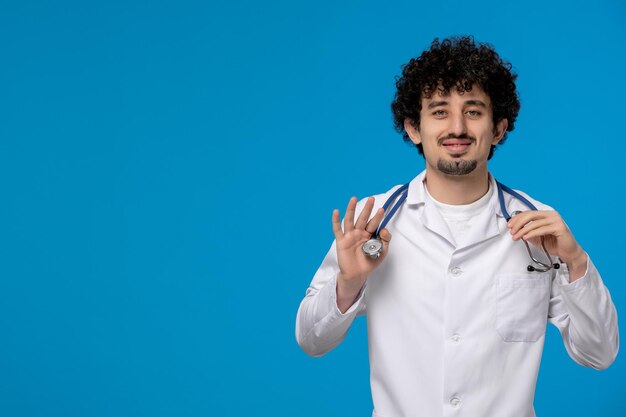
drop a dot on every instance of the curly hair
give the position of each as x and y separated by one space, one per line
459 63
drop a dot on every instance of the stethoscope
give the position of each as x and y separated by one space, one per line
374 246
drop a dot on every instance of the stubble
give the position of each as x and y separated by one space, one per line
457 167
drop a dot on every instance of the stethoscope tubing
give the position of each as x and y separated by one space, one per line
402 192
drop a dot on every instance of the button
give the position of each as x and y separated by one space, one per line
455 402
456 338
456 271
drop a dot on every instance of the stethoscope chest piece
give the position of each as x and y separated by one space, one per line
373 248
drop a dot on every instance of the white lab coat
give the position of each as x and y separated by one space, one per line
458 330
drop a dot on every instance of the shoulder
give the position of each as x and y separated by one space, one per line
414 192
379 199
518 204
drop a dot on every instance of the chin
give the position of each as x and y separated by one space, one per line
457 166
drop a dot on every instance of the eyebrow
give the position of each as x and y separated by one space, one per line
436 104
476 103
480 103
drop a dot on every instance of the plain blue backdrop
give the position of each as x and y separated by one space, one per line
168 172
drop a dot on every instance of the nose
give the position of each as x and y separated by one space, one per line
457 126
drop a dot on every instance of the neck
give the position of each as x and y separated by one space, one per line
457 189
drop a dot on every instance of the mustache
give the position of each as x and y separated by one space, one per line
455 136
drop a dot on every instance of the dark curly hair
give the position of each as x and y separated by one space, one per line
460 63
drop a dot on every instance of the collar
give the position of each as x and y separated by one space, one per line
485 225
417 194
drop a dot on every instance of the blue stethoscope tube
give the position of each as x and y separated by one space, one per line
373 247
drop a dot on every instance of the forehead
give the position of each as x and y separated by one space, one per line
454 96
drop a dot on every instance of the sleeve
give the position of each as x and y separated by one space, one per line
586 317
320 325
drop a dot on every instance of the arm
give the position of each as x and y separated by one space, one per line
335 295
580 304
583 312
320 325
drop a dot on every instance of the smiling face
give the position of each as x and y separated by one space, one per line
456 131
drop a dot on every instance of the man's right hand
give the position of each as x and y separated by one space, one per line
354 265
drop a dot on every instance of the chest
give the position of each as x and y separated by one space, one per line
425 269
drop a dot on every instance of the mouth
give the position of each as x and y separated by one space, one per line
456 146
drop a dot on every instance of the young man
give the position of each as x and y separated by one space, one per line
456 310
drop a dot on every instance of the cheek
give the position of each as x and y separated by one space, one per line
428 142
483 130
429 134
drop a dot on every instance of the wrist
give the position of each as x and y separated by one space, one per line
576 259
576 265
347 292
350 283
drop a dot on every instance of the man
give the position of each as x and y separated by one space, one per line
456 317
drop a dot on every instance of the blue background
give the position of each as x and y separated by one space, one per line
168 171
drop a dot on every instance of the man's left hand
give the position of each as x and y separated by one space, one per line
559 241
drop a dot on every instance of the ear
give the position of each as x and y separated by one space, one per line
499 131
412 131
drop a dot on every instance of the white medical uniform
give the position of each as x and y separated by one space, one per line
457 329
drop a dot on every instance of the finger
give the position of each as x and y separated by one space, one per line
528 227
521 220
373 224
542 231
337 225
365 214
348 221
385 236
536 241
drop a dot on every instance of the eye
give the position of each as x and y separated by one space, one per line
473 113
439 113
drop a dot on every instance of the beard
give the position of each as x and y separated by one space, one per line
457 167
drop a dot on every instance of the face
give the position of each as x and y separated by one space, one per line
456 131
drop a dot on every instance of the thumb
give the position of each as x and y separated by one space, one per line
535 241
385 236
